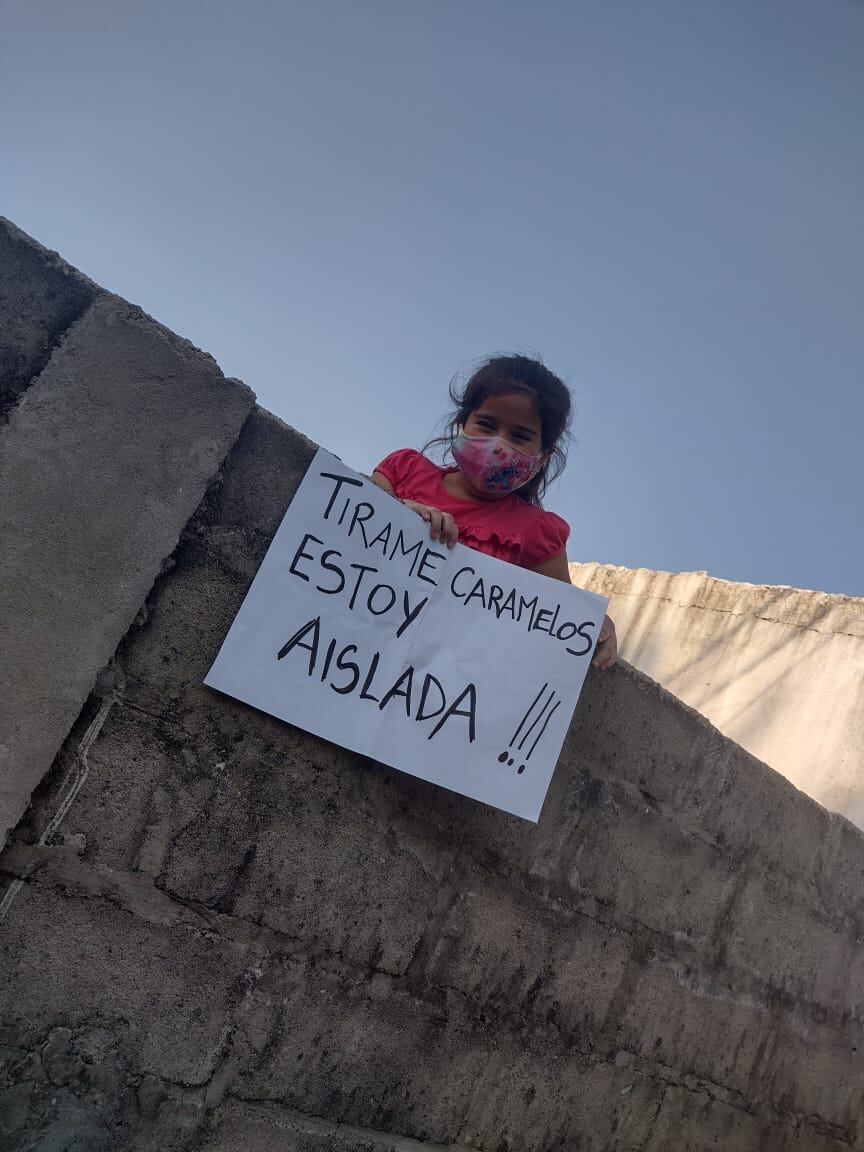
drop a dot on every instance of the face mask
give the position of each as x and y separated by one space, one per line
492 464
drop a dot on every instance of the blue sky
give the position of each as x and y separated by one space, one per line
348 202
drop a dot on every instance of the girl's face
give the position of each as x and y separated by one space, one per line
511 415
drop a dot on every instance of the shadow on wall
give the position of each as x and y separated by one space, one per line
681 679
790 692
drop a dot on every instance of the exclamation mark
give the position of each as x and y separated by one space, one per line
536 713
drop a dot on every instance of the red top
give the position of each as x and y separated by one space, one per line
509 528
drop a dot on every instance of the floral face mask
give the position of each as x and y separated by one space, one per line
492 464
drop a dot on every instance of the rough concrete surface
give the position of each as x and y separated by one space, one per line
40 297
779 670
240 937
275 943
102 462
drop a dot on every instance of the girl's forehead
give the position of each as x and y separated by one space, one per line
512 407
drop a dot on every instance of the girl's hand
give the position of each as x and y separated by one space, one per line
606 652
442 525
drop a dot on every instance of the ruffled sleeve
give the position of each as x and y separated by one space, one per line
397 467
508 546
548 539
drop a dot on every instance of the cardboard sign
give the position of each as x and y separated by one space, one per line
444 663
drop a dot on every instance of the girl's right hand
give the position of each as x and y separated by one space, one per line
442 525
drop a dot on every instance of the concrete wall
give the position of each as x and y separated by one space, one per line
779 670
243 938
105 453
40 298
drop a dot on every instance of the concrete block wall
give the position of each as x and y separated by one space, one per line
41 296
104 456
779 670
242 937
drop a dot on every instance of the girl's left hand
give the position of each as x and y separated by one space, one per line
606 652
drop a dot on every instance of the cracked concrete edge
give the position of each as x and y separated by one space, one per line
40 297
105 459
794 607
48 256
793 624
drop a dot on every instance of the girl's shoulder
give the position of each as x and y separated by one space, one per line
545 534
412 476
405 460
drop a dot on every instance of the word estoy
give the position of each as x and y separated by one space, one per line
343 667
378 597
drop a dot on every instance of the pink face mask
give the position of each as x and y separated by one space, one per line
492 464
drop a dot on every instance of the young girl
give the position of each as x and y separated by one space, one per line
507 436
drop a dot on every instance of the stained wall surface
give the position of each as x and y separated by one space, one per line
779 670
240 937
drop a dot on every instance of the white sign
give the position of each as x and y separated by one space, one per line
444 663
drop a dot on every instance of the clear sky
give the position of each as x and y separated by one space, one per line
348 202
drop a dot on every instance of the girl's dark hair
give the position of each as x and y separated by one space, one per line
502 374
